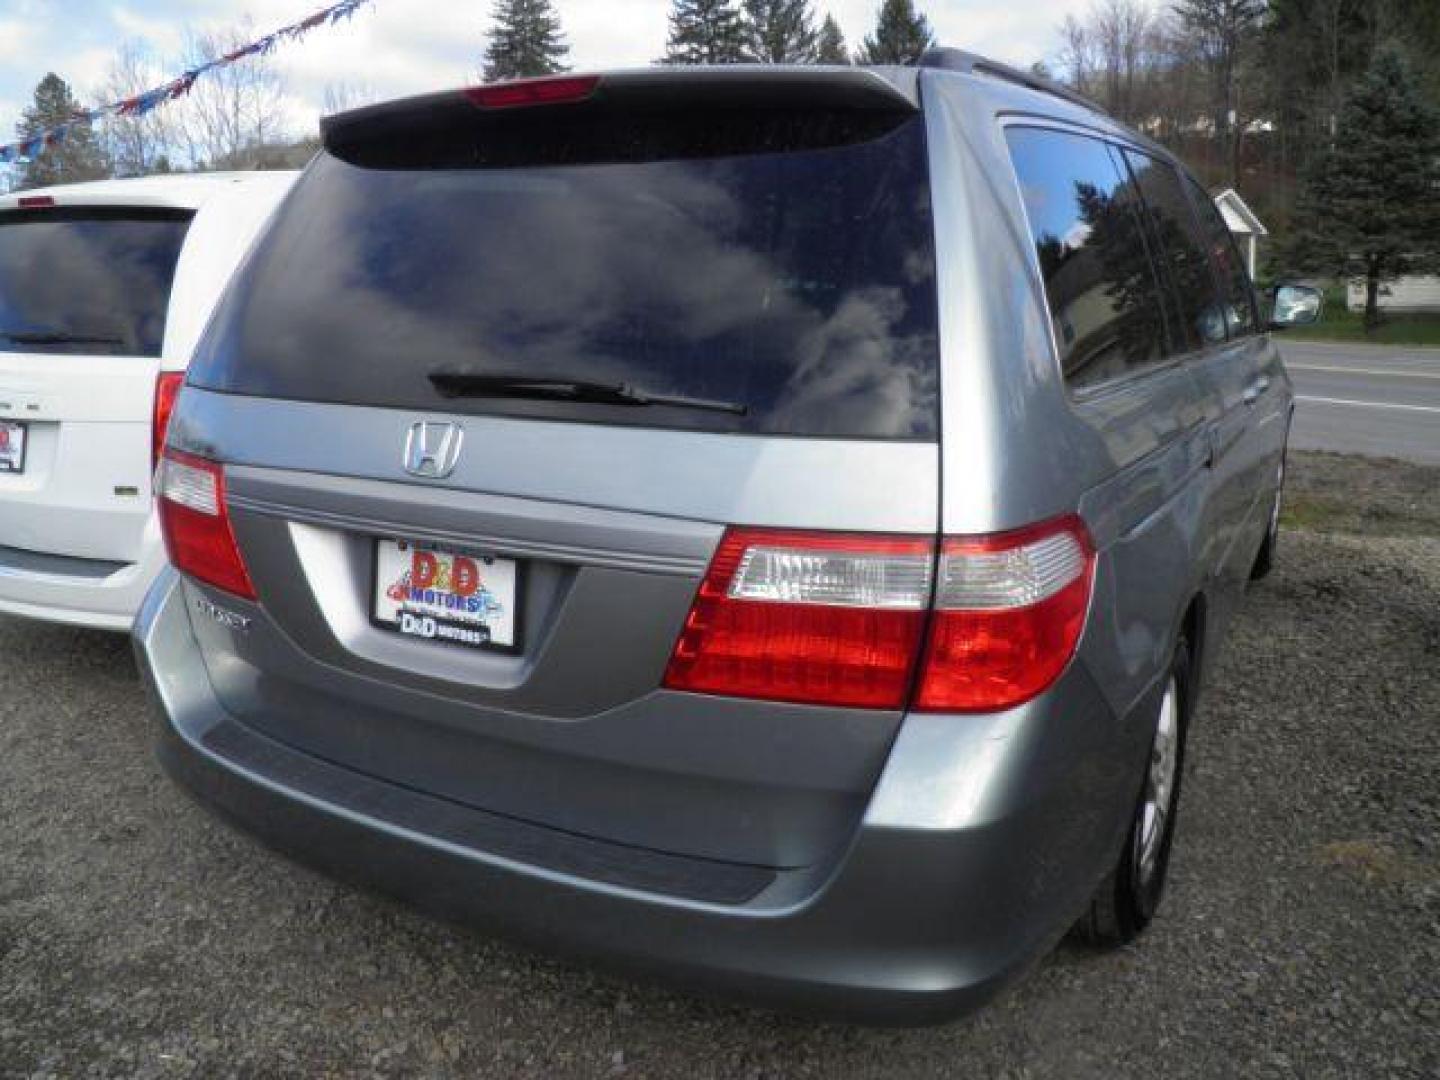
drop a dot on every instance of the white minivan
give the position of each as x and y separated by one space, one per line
104 289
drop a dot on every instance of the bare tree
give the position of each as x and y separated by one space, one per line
1115 55
136 145
1179 91
1157 65
1077 54
234 112
1122 33
1222 28
342 96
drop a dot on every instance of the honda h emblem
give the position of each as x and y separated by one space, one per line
432 449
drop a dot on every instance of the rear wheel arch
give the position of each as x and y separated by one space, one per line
1128 895
1192 628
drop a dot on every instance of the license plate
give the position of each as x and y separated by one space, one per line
460 598
12 447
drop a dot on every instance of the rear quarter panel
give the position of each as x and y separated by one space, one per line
1017 446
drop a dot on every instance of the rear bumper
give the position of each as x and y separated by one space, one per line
983 840
86 595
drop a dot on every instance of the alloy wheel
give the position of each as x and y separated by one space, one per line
1157 803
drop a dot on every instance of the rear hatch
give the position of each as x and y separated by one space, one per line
488 394
84 293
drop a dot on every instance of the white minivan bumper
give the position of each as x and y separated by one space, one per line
79 592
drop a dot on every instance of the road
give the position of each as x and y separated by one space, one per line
1378 400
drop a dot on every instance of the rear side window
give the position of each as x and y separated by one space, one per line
795 285
1086 227
1239 298
93 281
1199 315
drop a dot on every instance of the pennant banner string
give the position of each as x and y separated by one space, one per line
140 104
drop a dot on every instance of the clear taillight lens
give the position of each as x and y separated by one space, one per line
820 618
1009 610
196 524
887 577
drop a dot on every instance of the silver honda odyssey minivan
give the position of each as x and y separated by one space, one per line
762 526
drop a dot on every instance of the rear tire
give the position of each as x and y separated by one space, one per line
1127 899
1265 557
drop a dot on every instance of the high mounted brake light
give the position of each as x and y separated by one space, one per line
841 619
560 90
196 523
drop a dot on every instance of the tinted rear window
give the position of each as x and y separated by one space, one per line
93 281
798 284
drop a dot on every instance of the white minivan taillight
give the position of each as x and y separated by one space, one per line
196 523
167 389
844 619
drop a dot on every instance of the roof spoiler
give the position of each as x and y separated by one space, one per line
650 90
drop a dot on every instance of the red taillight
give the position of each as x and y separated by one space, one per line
196 523
167 389
1009 609
840 619
35 202
822 618
560 90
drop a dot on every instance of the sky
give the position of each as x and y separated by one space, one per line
397 47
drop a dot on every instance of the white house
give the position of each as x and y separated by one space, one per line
1402 294
1243 223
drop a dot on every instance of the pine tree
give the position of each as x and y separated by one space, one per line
77 156
1368 206
901 35
525 40
781 31
831 47
705 32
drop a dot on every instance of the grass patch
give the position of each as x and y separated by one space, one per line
1340 324
1307 512
1409 330
1319 513
1335 493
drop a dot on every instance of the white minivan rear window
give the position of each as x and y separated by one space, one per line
93 281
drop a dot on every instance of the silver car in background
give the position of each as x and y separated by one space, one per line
762 526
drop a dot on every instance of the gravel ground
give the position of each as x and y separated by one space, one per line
1301 935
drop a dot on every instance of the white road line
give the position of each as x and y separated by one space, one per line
1363 371
1369 404
1359 346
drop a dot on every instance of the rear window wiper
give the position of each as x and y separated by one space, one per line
457 384
58 337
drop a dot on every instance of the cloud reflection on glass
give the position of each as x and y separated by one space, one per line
799 284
